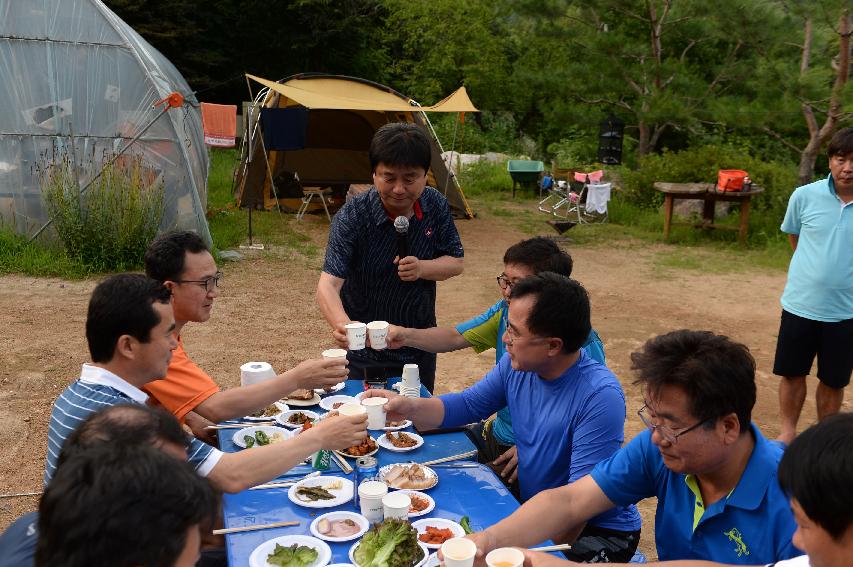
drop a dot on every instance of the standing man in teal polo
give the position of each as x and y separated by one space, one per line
817 304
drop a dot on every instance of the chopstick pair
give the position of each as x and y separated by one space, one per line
239 425
450 458
256 527
284 483
559 547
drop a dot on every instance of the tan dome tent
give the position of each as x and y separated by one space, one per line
323 140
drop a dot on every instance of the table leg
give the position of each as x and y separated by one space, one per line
744 220
708 209
667 218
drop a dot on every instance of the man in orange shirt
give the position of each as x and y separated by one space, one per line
183 263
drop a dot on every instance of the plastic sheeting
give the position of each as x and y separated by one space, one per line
73 66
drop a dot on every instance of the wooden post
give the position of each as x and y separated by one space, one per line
667 218
744 220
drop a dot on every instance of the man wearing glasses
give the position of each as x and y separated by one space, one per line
182 262
712 471
494 437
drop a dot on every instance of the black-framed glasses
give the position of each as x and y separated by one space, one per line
207 283
504 282
666 431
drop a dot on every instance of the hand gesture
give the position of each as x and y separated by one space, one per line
339 333
398 407
396 337
539 559
340 431
321 372
510 457
409 268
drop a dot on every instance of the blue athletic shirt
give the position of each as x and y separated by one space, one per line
820 277
486 331
18 542
565 426
752 526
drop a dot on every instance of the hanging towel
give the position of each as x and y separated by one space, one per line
220 124
284 128
597 196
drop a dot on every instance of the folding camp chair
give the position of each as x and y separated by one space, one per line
308 194
590 203
557 197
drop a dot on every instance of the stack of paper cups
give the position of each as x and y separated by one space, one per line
254 372
410 386
370 493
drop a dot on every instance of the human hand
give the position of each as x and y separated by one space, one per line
339 333
540 559
320 372
398 407
510 457
409 268
340 431
396 336
484 541
197 426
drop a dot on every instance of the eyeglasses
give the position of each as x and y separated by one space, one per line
504 282
665 431
207 283
509 333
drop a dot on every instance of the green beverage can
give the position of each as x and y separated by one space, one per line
321 460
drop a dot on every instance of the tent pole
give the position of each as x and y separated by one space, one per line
450 156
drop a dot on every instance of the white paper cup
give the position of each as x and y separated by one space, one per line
411 376
459 552
396 505
505 557
334 353
351 409
378 333
375 412
255 372
356 335
370 495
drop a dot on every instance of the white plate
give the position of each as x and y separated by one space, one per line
258 558
429 474
270 430
424 495
418 564
328 402
282 407
386 444
373 452
336 388
282 418
362 522
342 495
303 403
440 523
405 424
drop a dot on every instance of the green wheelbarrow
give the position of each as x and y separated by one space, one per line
524 172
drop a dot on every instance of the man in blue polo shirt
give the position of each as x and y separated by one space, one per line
817 304
363 280
568 410
712 471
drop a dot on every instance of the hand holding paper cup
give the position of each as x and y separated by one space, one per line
376 412
351 409
333 353
377 331
356 335
505 557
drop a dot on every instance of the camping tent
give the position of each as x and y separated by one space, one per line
324 141
74 67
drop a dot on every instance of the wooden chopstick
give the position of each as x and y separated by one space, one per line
256 527
285 483
342 462
239 425
450 458
560 547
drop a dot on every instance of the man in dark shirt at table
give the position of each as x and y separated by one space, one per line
364 280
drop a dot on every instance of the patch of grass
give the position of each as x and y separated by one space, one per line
223 163
35 259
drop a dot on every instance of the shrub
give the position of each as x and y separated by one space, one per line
109 226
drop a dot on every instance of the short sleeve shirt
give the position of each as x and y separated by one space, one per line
752 526
185 386
820 277
361 250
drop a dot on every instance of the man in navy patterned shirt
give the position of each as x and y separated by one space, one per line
363 278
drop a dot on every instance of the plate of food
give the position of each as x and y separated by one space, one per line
332 389
296 418
334 402
258 435
432 532
339 526
408 552
268 412
292 551
396 425
321 491
367 448
422 503
302 398
415 476
400 441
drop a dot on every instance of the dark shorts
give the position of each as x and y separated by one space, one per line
600 545
489 449
370 371
801 339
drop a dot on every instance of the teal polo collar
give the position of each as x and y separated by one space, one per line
760 471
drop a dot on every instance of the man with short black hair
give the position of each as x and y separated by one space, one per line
568 410
713 473
363 280
817 304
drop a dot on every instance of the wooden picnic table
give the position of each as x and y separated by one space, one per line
706 192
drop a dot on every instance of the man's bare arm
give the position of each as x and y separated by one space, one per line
434 339
441 268
793 239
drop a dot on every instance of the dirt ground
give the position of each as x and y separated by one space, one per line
267 312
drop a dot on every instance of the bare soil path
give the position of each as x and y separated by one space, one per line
267 312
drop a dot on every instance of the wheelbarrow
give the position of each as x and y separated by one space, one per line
524 172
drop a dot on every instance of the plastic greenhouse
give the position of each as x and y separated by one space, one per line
74 67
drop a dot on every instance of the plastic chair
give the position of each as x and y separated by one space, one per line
309 193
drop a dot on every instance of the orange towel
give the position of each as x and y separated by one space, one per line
220 124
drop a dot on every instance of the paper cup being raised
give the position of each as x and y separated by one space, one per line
411 376
375 412
459 552
396 505
334 353
378 332
505 557
370 495
352 409
356 335
254 372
